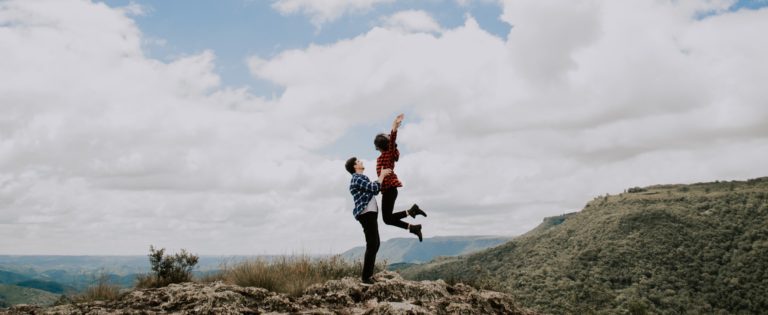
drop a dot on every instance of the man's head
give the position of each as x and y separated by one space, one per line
354 165
381 142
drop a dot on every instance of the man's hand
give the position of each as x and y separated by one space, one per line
384 173
398 121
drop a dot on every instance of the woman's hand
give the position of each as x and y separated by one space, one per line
398 121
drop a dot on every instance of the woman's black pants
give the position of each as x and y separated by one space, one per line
388 197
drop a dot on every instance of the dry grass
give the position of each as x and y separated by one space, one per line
289 274
210 277
103 290
146 281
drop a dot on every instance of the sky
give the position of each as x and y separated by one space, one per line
222 127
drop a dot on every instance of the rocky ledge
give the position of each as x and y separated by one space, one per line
389 295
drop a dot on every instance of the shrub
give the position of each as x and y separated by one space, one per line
637 307
636 190
167 269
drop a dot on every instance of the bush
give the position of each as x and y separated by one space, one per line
167 269
636 190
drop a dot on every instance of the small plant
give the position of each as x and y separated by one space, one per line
637 308
167 269
636 190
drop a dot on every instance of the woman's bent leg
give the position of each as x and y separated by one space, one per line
388 197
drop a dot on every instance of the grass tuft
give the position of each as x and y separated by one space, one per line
289 274
102 290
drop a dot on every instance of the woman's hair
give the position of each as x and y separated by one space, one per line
381 142
350 165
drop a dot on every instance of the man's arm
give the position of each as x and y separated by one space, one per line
367 185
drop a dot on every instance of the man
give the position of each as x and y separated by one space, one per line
366 211
389 155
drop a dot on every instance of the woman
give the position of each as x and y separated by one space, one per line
387 145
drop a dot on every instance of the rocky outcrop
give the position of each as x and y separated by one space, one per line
389 295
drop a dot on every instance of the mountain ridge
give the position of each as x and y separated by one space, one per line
700 248
410 250
12 295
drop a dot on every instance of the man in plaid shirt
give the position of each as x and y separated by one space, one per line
387 145
366 211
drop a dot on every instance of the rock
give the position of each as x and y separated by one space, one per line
389 295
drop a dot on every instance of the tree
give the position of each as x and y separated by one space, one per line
167 269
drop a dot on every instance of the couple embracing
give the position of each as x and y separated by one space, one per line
364 193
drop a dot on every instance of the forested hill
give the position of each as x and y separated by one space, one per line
700 248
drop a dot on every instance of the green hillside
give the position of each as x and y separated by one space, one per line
50 286
12 295
684 249
410 250
7 277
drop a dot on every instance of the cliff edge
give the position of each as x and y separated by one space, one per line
391 294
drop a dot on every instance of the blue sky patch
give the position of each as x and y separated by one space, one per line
237 29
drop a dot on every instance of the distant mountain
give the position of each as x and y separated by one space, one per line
49 286
7 277
666 249
56 267
72 274
12 295
410 250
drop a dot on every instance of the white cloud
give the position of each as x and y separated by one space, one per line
546 34
135 9
323 11
105 151
100 145
412 21
581 99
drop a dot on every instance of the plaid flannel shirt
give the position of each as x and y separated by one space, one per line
362 189
386 160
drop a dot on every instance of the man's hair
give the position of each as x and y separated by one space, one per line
381 142
350 165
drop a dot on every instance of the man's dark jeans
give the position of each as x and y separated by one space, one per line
388 197
371 229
